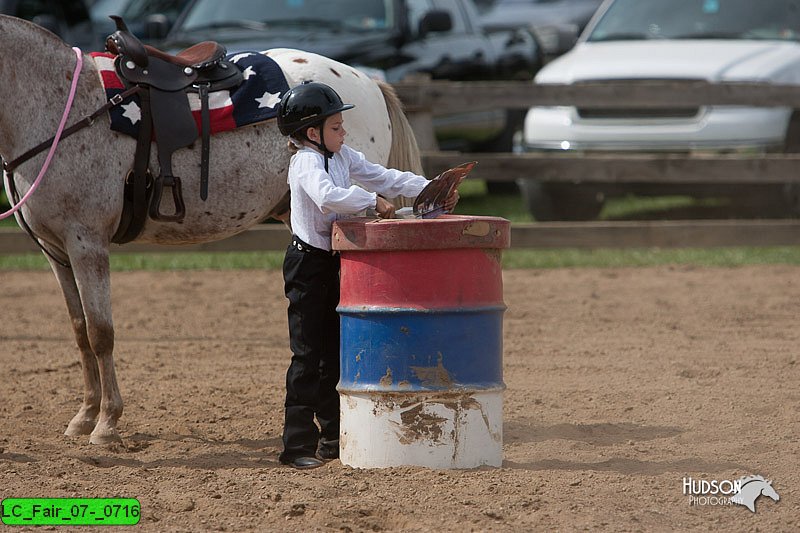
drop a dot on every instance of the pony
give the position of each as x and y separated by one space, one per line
752 488
76 209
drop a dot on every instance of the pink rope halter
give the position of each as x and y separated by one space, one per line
75 76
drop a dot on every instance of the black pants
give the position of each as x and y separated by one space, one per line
311 283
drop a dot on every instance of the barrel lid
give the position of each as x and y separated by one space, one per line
444 232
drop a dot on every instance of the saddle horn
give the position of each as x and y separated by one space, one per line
121 26
123 42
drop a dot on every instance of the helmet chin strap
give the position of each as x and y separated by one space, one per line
327 154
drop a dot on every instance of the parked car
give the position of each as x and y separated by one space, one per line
147 19
69 19
390 39
556 24
710 40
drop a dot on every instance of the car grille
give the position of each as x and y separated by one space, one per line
676 112
633 112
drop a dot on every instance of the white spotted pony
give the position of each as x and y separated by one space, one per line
77 207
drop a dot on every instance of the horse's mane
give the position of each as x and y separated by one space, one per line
748 479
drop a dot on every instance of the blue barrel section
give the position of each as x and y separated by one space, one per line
404 349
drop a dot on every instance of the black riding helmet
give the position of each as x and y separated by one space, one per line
307 105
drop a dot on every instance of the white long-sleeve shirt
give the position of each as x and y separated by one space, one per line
319 198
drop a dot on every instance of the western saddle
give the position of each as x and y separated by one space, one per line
163 83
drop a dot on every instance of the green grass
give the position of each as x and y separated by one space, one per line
644 257
121 262
528 259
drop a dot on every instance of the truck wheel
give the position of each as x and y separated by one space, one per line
556 201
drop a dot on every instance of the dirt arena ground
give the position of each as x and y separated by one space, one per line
621 382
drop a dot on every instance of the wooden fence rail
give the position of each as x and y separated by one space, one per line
449 96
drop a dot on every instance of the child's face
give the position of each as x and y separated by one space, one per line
334 133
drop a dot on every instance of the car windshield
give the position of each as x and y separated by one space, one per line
699 19
270 14
101 9
139 9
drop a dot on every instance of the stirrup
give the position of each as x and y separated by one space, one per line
174 183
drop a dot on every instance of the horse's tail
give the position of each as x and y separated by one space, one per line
404 151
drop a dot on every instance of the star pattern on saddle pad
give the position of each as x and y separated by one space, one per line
132 112
269 100
237 57
246 73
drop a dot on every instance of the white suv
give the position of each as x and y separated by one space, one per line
713 40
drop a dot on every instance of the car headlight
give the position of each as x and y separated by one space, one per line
555 39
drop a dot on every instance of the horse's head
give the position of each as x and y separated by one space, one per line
768 491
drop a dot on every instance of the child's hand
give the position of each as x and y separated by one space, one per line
451 201
384 208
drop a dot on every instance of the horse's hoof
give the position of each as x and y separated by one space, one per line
78 428
108 436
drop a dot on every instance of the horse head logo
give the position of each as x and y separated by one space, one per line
751 488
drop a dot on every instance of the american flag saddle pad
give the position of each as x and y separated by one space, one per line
255 100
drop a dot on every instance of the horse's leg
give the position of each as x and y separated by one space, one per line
82 423
283 210
90 266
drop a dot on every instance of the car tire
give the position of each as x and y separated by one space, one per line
558 201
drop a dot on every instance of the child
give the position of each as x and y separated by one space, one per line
321 192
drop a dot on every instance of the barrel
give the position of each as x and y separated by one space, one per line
421 313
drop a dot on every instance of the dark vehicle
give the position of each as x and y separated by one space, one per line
147 19
556 24
389 39
69 19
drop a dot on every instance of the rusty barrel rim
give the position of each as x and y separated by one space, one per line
448 231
